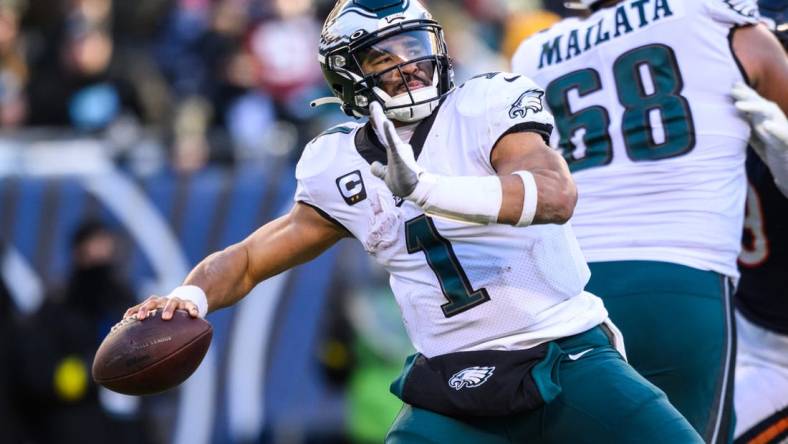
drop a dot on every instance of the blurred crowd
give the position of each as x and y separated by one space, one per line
46 394
212 80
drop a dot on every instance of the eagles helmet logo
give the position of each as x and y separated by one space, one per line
529 100
470 377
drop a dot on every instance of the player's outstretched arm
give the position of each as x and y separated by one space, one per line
224 277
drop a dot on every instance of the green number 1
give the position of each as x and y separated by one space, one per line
640 103
421 235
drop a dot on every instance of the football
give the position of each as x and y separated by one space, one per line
153 355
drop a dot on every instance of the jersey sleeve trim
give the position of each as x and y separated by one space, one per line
543 129
326 216
735 57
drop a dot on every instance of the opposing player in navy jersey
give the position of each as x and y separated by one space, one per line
761 396
456 194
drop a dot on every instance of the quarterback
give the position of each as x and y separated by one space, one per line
454 191
641 94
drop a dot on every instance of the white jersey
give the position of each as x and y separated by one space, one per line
641 96
459 286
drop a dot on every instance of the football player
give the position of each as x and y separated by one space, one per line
640 91
761 396
455 192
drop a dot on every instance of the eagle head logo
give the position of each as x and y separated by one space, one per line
470 377
529 100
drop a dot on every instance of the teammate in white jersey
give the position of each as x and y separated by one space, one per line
455 192
640 91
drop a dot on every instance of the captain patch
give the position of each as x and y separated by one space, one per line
351 187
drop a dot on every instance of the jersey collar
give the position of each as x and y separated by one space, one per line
370 148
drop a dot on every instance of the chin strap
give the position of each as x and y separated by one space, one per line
325 101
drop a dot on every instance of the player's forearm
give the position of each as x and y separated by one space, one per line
556 198
555 189
223 276
526 197
229 275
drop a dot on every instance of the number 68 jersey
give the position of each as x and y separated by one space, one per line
459 286
641 96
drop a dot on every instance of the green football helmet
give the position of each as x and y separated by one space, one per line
388 51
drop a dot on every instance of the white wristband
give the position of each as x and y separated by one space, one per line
193 294
529 199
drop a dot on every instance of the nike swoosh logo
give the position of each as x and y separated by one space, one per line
577 356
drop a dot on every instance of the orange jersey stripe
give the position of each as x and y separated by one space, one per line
771 432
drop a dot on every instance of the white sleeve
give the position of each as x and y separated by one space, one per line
317 188
302 194
308 190
517 105
733 12
302 173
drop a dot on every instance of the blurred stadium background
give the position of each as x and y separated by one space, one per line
139 136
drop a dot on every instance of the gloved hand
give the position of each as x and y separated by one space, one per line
401 174
767 119
474 199
770 130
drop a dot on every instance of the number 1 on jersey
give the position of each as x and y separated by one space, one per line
421 235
